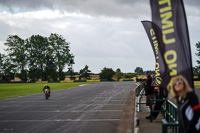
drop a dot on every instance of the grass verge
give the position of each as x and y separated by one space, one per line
23 89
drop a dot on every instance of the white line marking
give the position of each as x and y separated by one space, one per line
83 85
58 111
59 105
6 129
60 120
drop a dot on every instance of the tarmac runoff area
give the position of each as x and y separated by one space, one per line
94 108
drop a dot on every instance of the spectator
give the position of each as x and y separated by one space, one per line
149 90
188 105
162 95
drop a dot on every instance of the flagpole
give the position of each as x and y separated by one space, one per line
189 44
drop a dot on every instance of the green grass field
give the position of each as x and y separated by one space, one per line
23 89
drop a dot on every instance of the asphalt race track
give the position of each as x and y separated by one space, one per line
94 108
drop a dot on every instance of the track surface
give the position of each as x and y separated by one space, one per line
94 108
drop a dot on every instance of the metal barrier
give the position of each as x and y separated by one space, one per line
171 117
139 92
162 110
139 99
165 125
169 111
139 88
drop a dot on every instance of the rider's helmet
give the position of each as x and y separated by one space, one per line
45 85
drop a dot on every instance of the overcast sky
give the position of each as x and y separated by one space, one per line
102 33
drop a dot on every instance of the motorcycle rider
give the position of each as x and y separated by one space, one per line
47 87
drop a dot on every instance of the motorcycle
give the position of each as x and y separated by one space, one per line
46 93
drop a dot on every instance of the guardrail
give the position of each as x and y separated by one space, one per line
196 83
171 117
139 92
139 99
169 111
162 109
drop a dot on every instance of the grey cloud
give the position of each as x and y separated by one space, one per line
117 8
96 41
193 3
26 4
5 30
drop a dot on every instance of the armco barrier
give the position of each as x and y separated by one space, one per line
139 88
138 100
196 83
93 80
103 80
139 91
120 80
66 81
80 80
126 80
170 110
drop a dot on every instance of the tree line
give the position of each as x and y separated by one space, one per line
108 73
45 58
36 57
196 69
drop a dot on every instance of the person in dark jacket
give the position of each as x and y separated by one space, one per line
162 94
188 105
149 90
